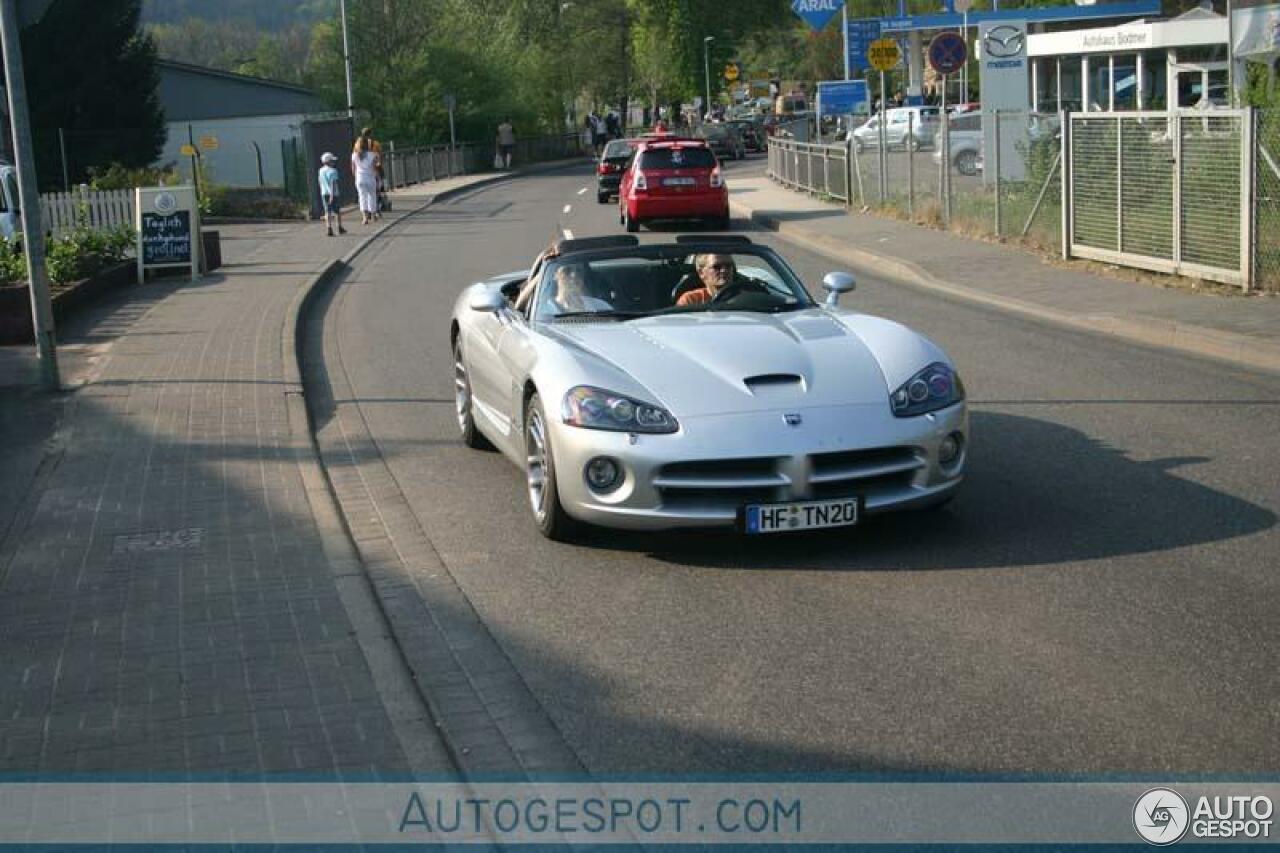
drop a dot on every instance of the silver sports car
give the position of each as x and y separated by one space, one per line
697 384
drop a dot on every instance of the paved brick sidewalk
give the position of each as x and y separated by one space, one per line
168 599
1245 330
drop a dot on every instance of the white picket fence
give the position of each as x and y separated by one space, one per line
103 209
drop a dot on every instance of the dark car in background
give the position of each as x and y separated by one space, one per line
751 132
613 162
724 140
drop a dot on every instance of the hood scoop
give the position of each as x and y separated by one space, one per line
775 385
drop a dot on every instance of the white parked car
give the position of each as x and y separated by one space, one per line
966 144
10 210
921 122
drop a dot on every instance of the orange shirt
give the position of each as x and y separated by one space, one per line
701 296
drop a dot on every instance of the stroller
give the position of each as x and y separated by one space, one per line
384 200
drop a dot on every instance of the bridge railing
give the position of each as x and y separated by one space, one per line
407 166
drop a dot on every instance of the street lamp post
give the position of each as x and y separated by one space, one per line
706 68
346 57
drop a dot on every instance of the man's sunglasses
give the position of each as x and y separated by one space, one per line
719 267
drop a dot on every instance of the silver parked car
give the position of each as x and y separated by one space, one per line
626 405
919 123
966 144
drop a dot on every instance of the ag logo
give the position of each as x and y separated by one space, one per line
1003 42
1160 816
165 202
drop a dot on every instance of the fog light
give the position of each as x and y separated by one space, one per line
949 449
603 474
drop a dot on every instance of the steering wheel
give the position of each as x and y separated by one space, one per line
688 282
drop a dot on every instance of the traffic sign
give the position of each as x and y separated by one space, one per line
947 53
731 72
861 34
962 6
209 143
884 54
188 150
817 13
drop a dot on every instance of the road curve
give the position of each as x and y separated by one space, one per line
1101 597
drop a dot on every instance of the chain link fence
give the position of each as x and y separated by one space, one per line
1195 192
1266 206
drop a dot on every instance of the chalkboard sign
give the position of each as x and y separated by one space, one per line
168 226
166 238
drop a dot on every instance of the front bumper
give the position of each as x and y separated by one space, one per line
685 205
704 474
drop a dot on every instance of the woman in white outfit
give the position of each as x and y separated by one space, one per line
364 169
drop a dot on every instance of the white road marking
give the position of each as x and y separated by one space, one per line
568 207
583 190
568 235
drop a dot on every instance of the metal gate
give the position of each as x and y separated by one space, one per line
1161 190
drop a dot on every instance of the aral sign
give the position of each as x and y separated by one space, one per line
817 13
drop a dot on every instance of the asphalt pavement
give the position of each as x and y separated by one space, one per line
1100 597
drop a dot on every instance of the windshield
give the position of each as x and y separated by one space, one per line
619 149
677 158
664 282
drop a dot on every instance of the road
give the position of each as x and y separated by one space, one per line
1102 597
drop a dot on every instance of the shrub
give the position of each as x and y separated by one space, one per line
118 177
79 254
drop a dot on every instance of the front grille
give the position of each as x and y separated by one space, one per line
712 485
863 472
722 485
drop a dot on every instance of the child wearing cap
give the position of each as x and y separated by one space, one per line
329 193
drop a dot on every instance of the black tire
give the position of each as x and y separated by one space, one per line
967 163
720 223
602 198
540 476
632 225
462 404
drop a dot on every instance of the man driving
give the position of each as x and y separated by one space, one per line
715 272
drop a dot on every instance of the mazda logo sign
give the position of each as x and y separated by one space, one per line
1003 42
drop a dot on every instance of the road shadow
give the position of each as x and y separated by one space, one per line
1036 493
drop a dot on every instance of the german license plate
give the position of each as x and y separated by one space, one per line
804 515
678 182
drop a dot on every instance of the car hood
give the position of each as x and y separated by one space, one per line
717 362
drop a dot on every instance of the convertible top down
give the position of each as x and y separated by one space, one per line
630 403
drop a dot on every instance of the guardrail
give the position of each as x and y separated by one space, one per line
407 166
819 169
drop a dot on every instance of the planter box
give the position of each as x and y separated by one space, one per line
15 300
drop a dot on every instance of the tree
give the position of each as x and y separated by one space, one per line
92 72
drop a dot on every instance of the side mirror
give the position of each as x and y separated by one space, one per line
836 283
488 300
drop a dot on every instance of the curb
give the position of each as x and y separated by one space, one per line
339 540
1186 338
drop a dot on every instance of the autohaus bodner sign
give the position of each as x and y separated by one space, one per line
168 226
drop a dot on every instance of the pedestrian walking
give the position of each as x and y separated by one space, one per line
376 147
331 193
599 132
506 142
365 173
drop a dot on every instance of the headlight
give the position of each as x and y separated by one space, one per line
594 408
935 387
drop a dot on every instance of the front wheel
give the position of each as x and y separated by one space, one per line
967 163
540 474
463 402
602 197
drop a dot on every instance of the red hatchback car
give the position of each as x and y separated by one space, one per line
673 179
